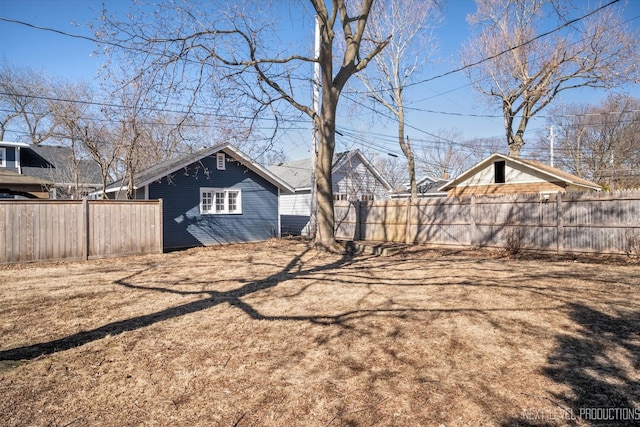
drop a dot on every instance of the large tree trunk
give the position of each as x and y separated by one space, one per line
325 236
516 140
515 145
324 186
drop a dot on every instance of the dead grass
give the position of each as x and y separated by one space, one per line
277 334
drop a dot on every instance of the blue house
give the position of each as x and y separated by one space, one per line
214 196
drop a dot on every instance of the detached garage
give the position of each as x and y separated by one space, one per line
500 174
214 196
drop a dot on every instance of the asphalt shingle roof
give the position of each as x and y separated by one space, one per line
162 167
168 166
55 164
298 173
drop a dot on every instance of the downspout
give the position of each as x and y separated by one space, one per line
279 230
18 160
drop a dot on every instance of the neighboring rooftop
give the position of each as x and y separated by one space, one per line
298 173
55 164
547 170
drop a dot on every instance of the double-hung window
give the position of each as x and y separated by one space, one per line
220 201
3 157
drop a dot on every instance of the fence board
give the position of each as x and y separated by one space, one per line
38 230
572 222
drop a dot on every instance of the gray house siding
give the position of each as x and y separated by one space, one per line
356 180
353 178
185 226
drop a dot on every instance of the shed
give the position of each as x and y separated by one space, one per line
500 174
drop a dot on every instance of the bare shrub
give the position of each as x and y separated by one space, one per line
633 245
513 241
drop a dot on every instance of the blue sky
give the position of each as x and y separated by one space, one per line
71 58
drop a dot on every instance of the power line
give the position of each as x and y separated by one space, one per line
66 34
456 70
566 24
153 109
235 116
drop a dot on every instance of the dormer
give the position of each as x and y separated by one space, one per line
10 155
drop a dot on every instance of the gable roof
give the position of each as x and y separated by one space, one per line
546 170
55 163
427 187
299 173
166 167
425 180
427 184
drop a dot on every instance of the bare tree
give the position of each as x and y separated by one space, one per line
227 53
68 113
131 134
24 96
391 168
599 142
511 64
411 22
98 140
448 154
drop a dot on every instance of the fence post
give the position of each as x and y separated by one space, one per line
560 227
356 231
472 213
85 229
160 227
407 236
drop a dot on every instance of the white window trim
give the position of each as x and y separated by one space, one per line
3 157
213 192
221 163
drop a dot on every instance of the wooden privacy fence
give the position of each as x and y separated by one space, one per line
606 222
38 230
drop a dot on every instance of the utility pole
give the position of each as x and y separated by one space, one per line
313 217
551 145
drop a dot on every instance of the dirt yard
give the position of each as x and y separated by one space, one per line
277 334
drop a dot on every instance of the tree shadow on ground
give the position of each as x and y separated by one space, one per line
291 270
599 365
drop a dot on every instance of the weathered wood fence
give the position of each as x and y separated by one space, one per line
606 222
38 230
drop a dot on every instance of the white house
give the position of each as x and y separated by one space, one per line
353 176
